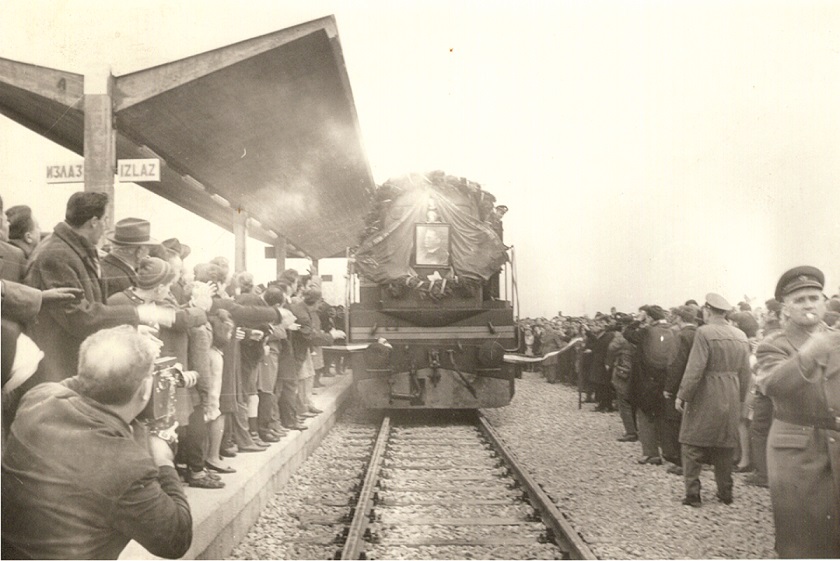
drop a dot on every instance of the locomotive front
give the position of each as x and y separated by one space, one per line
429 307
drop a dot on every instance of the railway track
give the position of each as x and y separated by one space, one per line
423 485
453 490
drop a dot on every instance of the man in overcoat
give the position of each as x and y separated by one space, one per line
685 322
799 369
647 379
598 341
69 258
712 390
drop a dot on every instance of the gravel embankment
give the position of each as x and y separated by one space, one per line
622 509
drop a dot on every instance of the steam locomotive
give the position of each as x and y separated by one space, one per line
425 303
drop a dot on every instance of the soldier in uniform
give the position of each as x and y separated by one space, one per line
712 390
799 369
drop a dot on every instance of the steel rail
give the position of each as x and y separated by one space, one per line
564 533
354 544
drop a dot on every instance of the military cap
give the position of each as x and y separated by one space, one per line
797 278
717 302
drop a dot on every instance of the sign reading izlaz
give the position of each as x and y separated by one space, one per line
128 171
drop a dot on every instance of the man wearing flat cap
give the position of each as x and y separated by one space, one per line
799 369
130 243
713 387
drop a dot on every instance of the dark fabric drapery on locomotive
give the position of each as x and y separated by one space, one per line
476 250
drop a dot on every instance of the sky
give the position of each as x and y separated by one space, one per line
649 152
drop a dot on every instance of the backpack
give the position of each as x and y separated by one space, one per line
660 345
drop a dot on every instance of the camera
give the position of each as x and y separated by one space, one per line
159 414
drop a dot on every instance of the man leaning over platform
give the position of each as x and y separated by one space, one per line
79 482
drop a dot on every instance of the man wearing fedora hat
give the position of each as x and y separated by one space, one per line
799 369
713 387
69 258
130 243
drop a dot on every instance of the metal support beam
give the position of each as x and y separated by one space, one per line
240 234
100 138
280 254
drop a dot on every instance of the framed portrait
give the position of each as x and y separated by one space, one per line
431 244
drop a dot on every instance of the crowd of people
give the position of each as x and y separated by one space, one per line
744 390
84 330
86 464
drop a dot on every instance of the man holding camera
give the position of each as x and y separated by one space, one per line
78 481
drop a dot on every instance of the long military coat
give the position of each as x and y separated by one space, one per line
714 385
803 463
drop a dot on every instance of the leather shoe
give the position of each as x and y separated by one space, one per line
655 460
228 452
315 410
627 438
203 480
725 498
219 469
251 448
299 426
675 470
744 469
268 437
691 500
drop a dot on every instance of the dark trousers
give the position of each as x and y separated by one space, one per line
627 412
265 410
604 395
192 441
759 429
693 458
671 449
286 392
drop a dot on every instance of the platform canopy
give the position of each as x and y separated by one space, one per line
267 126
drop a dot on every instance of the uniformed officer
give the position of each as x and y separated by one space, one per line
712 390
799 369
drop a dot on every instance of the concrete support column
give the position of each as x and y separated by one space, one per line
280 254
100 144
240 234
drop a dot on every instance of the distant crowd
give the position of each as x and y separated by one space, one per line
96 448
743 389
84 330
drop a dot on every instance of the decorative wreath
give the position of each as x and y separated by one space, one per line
433 287
388 192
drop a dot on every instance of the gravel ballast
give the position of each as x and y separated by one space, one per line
622 509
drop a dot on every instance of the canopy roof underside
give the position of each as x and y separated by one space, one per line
267 126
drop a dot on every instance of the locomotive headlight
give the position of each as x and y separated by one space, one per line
491 354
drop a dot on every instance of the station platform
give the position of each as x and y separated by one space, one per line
222 517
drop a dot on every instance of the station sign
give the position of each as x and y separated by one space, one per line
66 173
138 170
128 171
